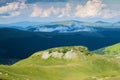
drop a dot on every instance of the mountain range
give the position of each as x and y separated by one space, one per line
61 26
20 24
21 39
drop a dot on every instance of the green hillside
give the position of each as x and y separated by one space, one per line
110 50
63 63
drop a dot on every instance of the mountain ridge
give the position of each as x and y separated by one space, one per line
82 66
101 22
74 24
109 50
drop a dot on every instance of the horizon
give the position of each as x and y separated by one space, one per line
61 21
12 11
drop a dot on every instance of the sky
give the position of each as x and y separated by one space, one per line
59 10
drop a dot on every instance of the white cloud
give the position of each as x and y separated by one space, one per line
92 8
95 8
60 12
13 9
65 11
40 12
107 13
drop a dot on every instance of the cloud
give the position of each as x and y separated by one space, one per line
13 9
40 12
51 11
92 8
95 9
66 11
107 13
34 1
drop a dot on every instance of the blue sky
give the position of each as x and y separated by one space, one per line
57 10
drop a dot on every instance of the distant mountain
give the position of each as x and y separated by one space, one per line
110 50
67 22
21 24
100 22
71 26
67 26
60 28
3 25
25 24
118 22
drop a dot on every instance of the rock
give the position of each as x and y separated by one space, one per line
57 55
70 55
46 55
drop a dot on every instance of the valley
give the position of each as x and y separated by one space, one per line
19 44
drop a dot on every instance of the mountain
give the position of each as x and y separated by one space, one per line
67 26
67 22
2 25
20 25
62 63
18 44
71 26
101 22
110 50
118 22
25 24
61 27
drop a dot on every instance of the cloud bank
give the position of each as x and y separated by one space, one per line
91 9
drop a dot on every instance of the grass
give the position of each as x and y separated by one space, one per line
77 72
110 50
92 67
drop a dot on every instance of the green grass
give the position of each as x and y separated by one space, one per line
85 67
110 50
99 68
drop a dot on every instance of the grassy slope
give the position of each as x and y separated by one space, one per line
110 50
85 67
